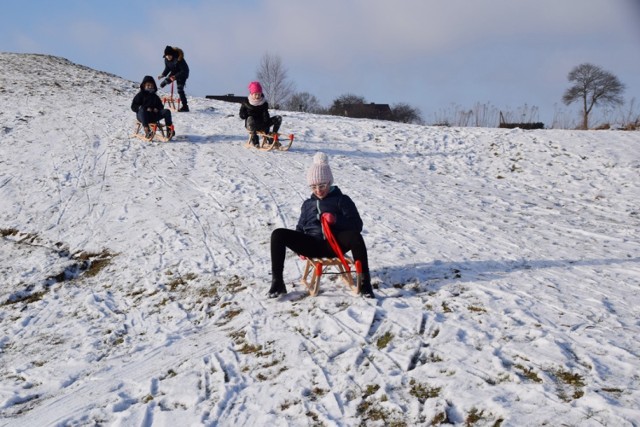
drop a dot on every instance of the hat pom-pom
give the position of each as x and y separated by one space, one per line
320 159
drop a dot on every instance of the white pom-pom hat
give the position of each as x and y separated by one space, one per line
320 172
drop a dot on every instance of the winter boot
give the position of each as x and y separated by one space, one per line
366 290
184 109
255 140
147 133
170 132
277 288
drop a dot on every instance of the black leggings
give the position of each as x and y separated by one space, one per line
312 247
254 125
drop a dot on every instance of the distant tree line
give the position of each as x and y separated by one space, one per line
282 95
591 87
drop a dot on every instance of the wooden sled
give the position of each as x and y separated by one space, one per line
314 268
270 141
170 102
155 127
340 262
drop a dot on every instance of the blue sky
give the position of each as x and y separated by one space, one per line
431 54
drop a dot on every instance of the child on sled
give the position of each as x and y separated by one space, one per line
149 108
255 113
308 238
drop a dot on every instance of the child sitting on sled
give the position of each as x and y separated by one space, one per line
308 239
255 113
149 108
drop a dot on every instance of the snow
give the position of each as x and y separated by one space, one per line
134 275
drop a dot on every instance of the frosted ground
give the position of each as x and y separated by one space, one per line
133 276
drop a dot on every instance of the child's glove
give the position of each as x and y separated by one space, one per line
329 217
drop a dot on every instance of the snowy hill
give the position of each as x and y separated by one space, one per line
133 275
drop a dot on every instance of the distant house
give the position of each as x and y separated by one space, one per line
367 111
228 98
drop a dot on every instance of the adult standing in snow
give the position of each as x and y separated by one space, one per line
308 239
149 108
175 69
255 113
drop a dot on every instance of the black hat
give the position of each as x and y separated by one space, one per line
169 51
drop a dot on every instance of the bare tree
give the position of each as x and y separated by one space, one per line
303 101
593 86
405 113
273 77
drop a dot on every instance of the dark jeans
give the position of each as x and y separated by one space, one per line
313 247
146 117
254 125
181 94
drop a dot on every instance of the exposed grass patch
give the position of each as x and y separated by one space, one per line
474 416
232 313
384 340
181 280
235 285
95 261
370 410
24 237
287 404
527 373
370 390
566 379
614 391
170 374
210 291
433 358
316 393
476 309
238 336
25 298
423 392
445 307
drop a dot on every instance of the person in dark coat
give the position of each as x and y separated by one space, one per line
308 239
149 108
255 113
175 69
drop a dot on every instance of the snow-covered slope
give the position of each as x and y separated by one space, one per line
133 275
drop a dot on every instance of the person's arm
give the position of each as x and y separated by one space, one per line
348 217
136 103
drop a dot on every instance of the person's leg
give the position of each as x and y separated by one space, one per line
275 121
183 96
252 126
143 118
300 243
354 242
166 115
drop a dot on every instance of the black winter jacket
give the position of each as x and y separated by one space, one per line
146 99
341 205
260 113
177 67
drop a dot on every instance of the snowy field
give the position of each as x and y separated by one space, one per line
133 275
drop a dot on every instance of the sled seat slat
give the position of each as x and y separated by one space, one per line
315 267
